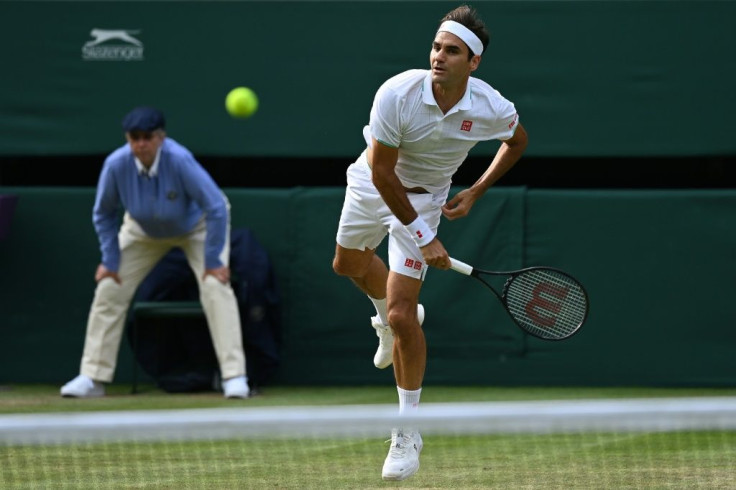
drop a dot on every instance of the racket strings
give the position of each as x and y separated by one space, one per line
546 303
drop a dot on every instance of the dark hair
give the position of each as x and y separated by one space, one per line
468 17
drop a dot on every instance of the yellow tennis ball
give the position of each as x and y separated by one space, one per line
241 102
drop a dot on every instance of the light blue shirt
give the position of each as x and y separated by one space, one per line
167 204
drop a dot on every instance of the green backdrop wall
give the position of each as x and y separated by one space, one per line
659 267
589 78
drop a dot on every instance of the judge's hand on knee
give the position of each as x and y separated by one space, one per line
222 274
103 272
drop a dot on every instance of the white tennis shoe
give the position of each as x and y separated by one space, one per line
236 387
403 457
385 354
83 387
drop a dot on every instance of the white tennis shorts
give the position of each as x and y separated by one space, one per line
366 219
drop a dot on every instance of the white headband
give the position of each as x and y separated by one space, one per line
468 37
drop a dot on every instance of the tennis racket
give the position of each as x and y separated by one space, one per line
544 302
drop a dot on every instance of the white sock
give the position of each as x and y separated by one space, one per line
381 309
408 401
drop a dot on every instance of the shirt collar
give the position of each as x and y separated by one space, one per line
464 104
151 172
427 96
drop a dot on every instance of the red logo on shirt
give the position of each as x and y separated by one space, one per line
409 263
417 265
466 125
516 118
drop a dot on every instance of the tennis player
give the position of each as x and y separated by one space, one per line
422 125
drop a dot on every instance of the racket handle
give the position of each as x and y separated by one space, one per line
460 267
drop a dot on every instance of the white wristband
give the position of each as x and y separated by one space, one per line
420 232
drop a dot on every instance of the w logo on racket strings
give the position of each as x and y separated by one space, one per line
540 303
544 302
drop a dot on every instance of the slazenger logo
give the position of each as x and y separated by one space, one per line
104 48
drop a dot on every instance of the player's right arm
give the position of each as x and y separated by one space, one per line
383 160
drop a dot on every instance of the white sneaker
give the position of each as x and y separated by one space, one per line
83 387
385 354
236 387
403 457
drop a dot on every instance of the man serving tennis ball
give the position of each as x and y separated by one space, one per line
422 125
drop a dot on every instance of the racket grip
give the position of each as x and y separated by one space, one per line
460 267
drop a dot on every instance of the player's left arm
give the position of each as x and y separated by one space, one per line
506 157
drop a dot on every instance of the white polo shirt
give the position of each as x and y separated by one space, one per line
432 145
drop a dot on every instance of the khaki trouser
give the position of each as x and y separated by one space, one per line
139 253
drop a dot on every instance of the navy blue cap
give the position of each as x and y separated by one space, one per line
144 119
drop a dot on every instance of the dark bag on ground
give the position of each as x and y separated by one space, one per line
178 352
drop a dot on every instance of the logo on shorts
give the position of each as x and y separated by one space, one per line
466 125
413 264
